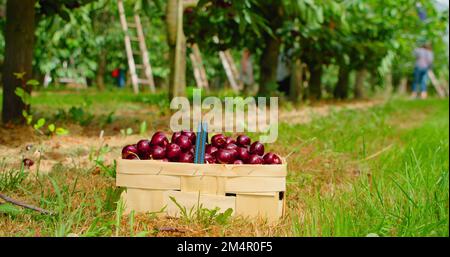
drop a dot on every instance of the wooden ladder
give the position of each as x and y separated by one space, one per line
230 68
227 63
441 89
143 52
198 67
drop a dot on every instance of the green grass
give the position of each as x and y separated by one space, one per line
404 191
382 171
107 98
111 98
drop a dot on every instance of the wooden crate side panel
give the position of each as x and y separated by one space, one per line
143 200
255 184
191 200
137 167
253 206
203 184
154 167
157 182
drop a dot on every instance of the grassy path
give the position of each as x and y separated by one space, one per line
382 171
346 186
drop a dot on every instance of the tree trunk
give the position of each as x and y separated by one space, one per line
402 88
315 82
268 62
296 91
373 80
101 69
341 89
388 83
359 83
268 65
19 43
177 48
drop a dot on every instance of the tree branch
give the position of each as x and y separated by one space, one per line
189 3
24 205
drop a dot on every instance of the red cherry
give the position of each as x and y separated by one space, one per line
158 153
243 140
173 151
257 148
160 139
175 135
255 159
191 135
184 142
225 156
129 150
218 140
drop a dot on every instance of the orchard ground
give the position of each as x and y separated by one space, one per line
377 167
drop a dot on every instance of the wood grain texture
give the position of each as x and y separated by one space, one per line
155 167
263 206
255 184
157 182
143 200
204 184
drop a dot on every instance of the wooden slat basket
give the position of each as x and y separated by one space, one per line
250 190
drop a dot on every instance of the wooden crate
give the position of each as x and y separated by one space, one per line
250 190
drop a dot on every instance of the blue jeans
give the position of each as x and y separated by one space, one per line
420 77
121 79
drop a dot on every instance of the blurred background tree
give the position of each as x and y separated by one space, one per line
336 49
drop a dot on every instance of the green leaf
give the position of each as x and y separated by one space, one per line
29 118
23 95
51 127
19 75
143 128
39 123
25 113
33 82
223 218
61 131
319 15
129 131
19 92
247 17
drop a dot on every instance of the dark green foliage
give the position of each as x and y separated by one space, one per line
59 7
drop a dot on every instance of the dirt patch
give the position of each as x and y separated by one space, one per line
403 121
85 141
306 114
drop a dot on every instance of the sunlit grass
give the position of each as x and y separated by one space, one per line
403 191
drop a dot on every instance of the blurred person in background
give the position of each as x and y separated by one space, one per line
424 59
119 75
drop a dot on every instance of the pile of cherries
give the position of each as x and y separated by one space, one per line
181 148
